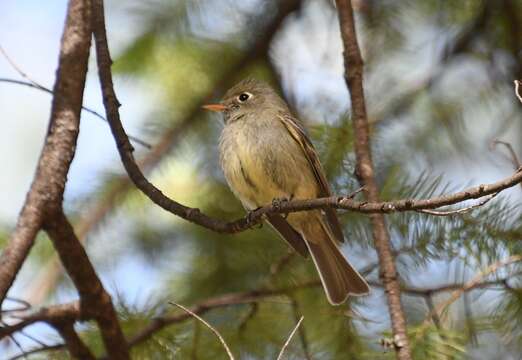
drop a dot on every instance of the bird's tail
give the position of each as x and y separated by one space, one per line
338 277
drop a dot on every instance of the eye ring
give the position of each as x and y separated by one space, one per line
243 97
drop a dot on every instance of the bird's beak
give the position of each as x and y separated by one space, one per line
214 107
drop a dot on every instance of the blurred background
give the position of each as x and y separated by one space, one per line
439 89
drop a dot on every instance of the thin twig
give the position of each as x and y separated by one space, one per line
30 337
252 311
513 155
431 308
37 86
517 90
227 349
24 354
38 350
468 286
285 345
302 334
460 211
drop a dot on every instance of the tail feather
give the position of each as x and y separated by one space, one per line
338 276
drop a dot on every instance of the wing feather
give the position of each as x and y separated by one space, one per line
299 134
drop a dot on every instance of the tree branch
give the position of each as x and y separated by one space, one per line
73 311
474 283
75 345
125 150
46 191
200 319
287 342
169 137
55 313
354 80
93 297
35 85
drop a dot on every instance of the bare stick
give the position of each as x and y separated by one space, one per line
470 285
37 86
353 64
227 349
285 345
460 211
517 90
513 155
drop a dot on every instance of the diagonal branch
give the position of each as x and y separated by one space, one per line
353 63
102 208
200 319
75 345
287 342
55 313
474 283
46 191
37 86
94 299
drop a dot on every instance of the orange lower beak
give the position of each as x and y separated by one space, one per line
214 107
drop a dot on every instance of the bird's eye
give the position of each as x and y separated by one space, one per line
243 97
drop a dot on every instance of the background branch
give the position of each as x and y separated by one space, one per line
353 63
93 297
74 344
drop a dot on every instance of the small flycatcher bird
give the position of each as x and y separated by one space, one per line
265 155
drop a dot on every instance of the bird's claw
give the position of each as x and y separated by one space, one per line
277 202
251 219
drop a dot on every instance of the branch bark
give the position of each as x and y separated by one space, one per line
365 170
74 344
46 191
94 299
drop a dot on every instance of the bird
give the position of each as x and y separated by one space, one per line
266 157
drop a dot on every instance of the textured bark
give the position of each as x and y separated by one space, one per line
74 344
93 297
46 192
354 79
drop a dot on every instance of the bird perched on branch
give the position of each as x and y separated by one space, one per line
266 155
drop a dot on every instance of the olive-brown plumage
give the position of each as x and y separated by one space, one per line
265 155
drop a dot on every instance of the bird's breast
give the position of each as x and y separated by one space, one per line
262 162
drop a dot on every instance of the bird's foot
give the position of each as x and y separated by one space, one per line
251 220
278 202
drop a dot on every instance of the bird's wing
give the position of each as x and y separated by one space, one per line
298 133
